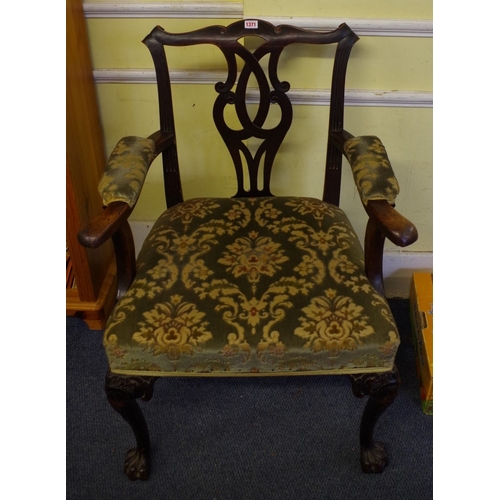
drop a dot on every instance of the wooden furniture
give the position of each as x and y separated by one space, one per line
254 285
93 270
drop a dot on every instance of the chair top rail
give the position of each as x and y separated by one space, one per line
221 36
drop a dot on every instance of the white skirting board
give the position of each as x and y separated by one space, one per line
398 266
398 270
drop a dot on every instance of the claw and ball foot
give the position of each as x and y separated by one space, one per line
374 458
137 464
381 389
122 392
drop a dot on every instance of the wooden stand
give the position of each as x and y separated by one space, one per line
95 313
94 270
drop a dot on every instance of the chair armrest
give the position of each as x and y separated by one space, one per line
391 223
125 172
112 223
377 185
105 225
115 214
120 186
373 174
124 175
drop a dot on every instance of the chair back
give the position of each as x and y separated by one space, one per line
244 67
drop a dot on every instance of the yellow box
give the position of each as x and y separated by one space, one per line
421 303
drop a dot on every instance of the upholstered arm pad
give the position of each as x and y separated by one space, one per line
126 170
371 168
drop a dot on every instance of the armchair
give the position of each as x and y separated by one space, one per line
256 284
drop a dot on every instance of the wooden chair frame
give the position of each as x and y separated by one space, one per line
383 222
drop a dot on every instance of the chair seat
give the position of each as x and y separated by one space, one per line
251 286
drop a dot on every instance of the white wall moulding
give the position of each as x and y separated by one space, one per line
316 97
234 10
186 10
149 76
385 98
363 27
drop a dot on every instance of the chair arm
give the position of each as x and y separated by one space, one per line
162 140
105 225
120 186
391 223
116 211
112 223
371 168
125 172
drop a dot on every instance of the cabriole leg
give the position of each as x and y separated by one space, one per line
122 392
381 389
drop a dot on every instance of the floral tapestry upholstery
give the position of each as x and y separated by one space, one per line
126 170
371 168
251 286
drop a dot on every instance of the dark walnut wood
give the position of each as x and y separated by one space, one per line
105 225
384 222
113 223
391 223
122 392
381 389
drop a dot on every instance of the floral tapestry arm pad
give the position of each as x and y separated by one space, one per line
371 168
126 170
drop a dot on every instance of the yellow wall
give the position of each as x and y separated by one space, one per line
377 63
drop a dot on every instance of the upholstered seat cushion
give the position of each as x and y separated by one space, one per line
251 286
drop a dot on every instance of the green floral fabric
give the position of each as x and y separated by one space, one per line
371 168
126 170
251 286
